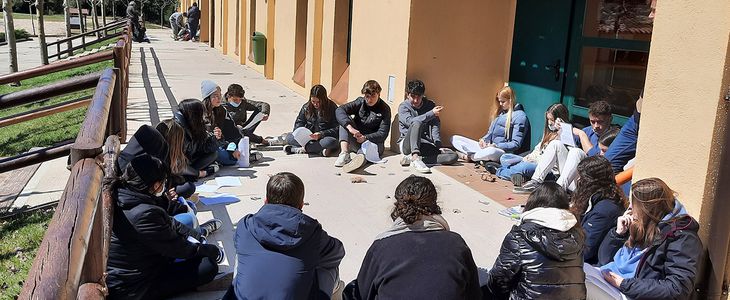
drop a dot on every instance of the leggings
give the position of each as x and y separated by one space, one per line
313 146
414 142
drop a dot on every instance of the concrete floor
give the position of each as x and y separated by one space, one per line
354 213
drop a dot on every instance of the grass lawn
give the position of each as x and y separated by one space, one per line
45 131
19 241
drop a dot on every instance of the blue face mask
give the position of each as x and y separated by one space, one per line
234 104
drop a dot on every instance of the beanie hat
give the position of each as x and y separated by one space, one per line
148 168
207 88
147 140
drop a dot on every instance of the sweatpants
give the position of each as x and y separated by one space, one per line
569 172
326 142
471 148
353 145
415 142
180 277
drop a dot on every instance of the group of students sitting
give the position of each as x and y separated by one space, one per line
648 248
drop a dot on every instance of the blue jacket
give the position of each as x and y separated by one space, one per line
668 268
596 222
278 249
519 139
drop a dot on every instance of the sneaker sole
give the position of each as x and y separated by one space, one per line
355 163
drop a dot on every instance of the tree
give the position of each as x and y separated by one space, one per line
41 32
10 34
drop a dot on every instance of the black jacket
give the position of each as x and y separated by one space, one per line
419 265
195 147
596 223
317 123
144 238
667 269
193 14
240 113
372 121
537 262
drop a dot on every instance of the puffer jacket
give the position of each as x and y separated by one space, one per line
518 140
318 124
372 121
542 258
668 268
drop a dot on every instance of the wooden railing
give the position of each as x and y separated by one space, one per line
116 124
108 32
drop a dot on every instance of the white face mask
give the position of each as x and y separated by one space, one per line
234 104
551 127
159 194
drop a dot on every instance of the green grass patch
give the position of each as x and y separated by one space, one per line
20 237
49 130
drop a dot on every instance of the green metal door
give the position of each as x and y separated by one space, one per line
539 54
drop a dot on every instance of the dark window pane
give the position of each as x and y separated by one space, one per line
613 75
618 19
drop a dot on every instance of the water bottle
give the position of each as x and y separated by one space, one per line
243 148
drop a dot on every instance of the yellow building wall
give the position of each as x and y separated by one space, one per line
284 41
232 28
260 25
328 30
205 14
462 70
379 47
217 28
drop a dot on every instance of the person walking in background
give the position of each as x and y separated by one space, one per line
193 21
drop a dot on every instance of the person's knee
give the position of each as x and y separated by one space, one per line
185 190
449 158
207 270
554 144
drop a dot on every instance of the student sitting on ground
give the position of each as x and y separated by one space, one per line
658 246
420 130
318 116
283 253
366 118
219 123
597 202
418 257
145 240
239 106
542 257
508 133
558 157
516 168
200 148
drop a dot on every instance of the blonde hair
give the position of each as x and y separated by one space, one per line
508 93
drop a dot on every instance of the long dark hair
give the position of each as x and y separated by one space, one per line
548 194
595 179
192 110
557 110
415 196
325 104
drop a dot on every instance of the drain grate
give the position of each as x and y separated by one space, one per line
220 73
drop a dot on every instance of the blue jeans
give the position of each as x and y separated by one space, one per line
513 164
623 147
225 158
188 218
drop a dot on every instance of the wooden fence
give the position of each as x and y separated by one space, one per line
71 260
108 32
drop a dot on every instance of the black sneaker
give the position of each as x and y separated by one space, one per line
212 169
517 179
210 226
526 188
491 167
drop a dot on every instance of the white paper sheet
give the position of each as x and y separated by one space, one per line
370 150
255 120
207 188
594 277
301 135
228 181
566 134
219 199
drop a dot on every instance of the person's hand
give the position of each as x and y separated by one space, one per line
172 194
623 222
577 131
315 136
265 118
212 251
353 131
612 278
217 133
437 110
236 154
360 138
202 173
482 144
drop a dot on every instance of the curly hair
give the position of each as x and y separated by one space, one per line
595 178
415 196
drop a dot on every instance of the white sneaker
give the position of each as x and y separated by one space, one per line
355 163
406 160
420 166
343 159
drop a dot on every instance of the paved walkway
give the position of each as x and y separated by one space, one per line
354 213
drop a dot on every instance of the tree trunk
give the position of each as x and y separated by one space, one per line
10 34
103 13
67 20
94 19
41 32
82 20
